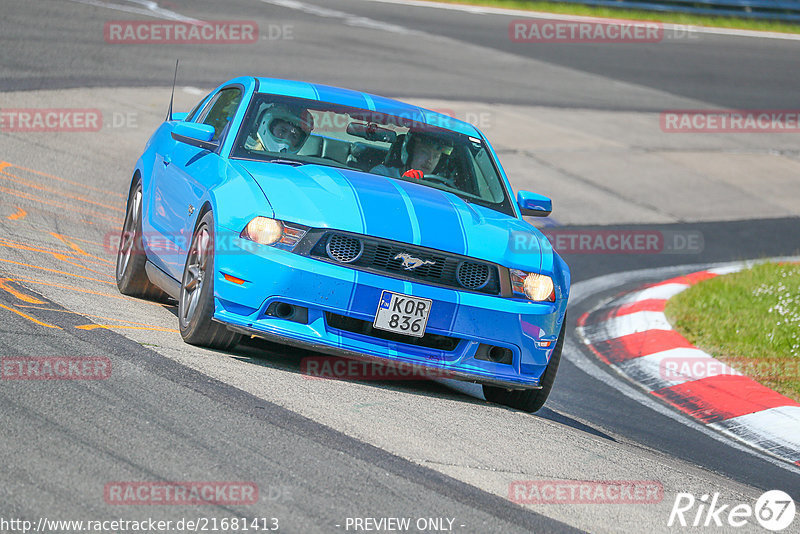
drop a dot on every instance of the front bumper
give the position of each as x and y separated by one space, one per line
272 275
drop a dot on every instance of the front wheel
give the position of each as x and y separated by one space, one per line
530 400
196 302
130 273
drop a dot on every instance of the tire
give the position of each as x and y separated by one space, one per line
530 400
130 274
196 302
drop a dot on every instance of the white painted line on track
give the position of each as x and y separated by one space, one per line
347 18
773 428
582 362
726 270
659 292
485 10
581 291
624 325
148 8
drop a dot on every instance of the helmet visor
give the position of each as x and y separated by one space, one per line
283 130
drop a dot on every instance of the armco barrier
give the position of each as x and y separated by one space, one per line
784 10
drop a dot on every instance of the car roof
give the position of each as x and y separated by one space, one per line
360 100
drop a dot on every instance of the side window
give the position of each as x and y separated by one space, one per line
193 114
222 109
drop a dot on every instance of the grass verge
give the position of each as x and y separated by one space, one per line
633 14
749 320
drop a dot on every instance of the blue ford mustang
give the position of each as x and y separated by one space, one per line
349 224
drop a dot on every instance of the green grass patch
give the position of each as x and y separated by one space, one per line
749 320
633 14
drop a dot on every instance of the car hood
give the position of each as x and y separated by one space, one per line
363 203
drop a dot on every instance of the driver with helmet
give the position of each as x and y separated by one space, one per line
419 155
280 128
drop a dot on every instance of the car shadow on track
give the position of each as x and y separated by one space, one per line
286 358
556 417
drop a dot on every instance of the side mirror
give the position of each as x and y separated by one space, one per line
199 135
533 204
179 116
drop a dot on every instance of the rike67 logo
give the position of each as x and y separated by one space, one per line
774 510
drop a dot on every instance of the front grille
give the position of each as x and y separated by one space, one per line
472 275
344 249
391 258
357 326
407 262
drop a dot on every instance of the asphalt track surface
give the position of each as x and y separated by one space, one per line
726 71
326 452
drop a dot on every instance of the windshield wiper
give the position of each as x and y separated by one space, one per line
292 162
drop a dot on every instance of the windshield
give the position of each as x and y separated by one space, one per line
297 131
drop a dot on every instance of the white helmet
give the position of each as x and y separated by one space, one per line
299 123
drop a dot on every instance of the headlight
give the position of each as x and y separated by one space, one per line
537 287
268 231
263 230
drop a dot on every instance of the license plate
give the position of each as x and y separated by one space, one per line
402 314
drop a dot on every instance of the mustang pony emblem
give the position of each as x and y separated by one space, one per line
410 262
